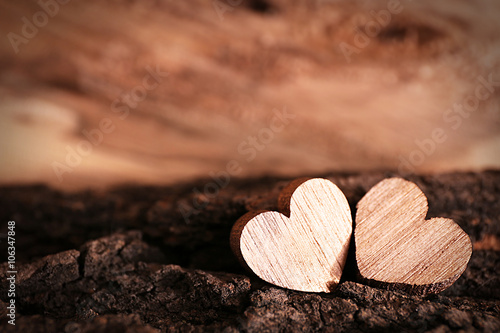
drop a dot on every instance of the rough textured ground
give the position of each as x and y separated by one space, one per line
128 260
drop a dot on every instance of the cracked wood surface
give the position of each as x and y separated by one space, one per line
127 258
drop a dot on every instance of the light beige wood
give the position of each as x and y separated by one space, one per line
398 248
305 251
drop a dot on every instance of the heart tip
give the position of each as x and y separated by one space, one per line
331 286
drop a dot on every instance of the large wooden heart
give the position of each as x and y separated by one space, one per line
397 248
304 246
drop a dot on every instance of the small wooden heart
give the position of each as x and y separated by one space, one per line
398 249
304 246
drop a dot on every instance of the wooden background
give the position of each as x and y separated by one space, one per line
228 72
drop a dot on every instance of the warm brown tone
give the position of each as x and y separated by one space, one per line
305 250
397 247
226 75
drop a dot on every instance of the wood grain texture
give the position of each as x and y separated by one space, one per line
397 248
304 246
198 285
226 76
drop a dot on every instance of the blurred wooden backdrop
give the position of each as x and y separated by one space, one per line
75 79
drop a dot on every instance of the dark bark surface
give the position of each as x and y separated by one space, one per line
147 259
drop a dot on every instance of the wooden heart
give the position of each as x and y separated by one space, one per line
398 249
304 246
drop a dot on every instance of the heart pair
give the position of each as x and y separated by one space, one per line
304 246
